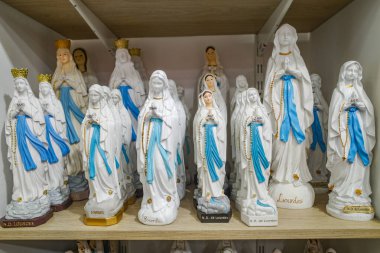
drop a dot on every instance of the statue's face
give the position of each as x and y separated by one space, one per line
210 82
241 83
20 85
285 37
352 72
94 97
157 84
79 57
44 89
122 56
211 55
115 99
207 97
315 81
63 56
252 96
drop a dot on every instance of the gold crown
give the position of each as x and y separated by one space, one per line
44 78
19 72
135 51
121 43
63 44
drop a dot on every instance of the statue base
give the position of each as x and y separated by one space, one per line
292 197
214 218
78 196
63 206
129 201
104 221
352 216
17 223
259 221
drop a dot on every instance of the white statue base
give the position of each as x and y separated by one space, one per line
102 210
165 216
259 221
292 197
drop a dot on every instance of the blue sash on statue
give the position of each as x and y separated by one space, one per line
290 119
124 151
257 152
95 145
129 105
65 150
69 106
155 141
24 133
117 164
212 153
179 160
317 132
357 141
265 205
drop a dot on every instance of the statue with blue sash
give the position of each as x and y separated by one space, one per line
157 146
254 201
351 139
71 90
288 98
58 145
27 153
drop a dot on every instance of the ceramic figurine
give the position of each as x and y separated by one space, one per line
180 165
58 145
226 247
71 89
157 142
125 78
351 138
139 66
180 247
83 247
257 206
125 157
210 135
81 61
288 99
210 83
241 85
313 246
27 154
318 136
104 206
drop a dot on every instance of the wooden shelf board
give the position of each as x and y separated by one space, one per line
293 224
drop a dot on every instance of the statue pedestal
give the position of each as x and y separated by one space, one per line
292 197
63 206
17 223
259 221
214 218
112 220
348 216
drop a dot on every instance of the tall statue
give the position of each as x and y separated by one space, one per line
210 134
104 206
125 78
257 206
318 131
27 154
71 89
58 145
81 61
180 165
288 99
241 85
157 143
351 138
139 66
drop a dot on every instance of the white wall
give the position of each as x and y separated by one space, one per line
352 34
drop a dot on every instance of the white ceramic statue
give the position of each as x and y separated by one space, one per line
226 247
157 142
209 82
58 146
210 136
288 99
99 152
241 85
71 89
351 138
180 247
313 246
81 61
180 165
83 247
139 66
318 135
125 157
27 153
257 206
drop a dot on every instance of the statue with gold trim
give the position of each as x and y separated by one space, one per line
71 89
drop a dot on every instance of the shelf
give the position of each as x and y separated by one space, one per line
293 224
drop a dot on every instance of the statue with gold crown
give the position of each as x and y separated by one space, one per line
139 66
58 146
71 89
28 156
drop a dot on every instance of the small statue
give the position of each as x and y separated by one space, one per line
288 99
157 143
226 247
241 85
104 206
351 139
313 246
27 153
58 145
81 61
209 83
180 247
71 89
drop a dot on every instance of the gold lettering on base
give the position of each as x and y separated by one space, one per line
97 212
359 209
294 200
